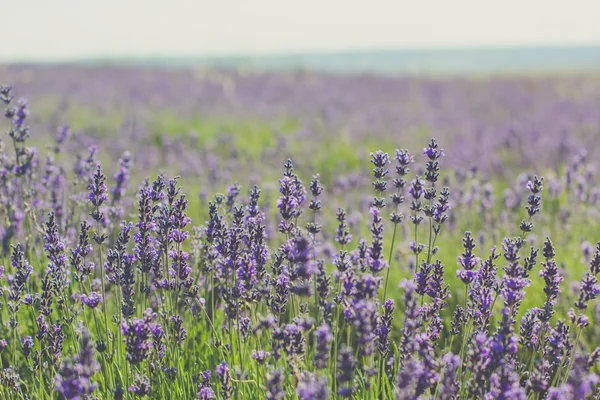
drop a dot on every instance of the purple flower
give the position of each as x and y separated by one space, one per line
18 283
505 385
467 260
282 286
260 356
292 196
6 94
145 248
97 188
384 327
275 390
552 280
294 341
346 365
141 386
137 335
205 391
74 379
312 387
449 386
432 151
379 160
224 376
122 178
374 258
92 300
27 343
416 188
342 235
300 254
323 338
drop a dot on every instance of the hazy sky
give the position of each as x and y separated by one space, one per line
67 29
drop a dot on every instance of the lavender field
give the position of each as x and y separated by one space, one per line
200 234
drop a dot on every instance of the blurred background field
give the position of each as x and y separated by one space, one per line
218 126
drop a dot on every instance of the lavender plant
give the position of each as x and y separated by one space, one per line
158 293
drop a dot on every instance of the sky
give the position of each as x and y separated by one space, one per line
80 29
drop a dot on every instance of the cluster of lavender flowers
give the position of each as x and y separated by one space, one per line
111 293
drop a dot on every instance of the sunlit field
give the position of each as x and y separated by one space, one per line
170 233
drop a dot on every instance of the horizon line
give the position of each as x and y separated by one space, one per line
294 53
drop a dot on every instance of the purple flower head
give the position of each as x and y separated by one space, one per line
374 257
27 343
449 386
300 253
292 196
260 356
275 389
122 177
380 161
384 327
467 260
18 283
63 133
504 384
312 387
282 291
323 339
97 188
342 235
432 151
74 379
92 300
141 386
137 335
404 159
294 341
416 188
589 289
346 365
6 94
224 376
205 391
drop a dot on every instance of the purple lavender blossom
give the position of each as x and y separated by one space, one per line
384 327
137 335
292 197
260 356
449 386
374 258
141 386
312 387
379 160
74 379
552 280
97 195
346 365
18 283
92 300
275 390
342 235
323 339
224 376
468 261
122 178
